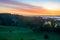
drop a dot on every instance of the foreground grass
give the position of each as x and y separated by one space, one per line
16 33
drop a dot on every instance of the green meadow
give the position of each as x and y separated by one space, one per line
16 33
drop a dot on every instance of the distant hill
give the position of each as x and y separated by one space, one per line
18 20
9 19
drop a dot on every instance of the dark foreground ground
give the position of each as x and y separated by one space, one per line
17 33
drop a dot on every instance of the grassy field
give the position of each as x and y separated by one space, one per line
16 33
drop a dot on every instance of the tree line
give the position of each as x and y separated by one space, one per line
37 24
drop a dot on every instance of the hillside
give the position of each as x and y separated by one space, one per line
18 27
16 33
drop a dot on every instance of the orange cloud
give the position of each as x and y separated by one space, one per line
28 10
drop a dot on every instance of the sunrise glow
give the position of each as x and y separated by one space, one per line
30 7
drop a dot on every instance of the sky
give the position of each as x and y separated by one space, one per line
30 7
